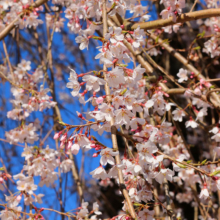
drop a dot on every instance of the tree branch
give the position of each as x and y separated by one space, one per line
208 13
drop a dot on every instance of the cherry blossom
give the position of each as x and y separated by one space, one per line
130 95
183 75
107 156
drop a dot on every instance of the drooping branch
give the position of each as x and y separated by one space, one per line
114 129
56 110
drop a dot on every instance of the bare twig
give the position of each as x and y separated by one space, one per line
8 61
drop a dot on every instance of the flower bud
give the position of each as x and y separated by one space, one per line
18 198
215 178
81 75
93 145
62 144
41 210
63 137
69 144
95 155
57 135
99 100
82 83
98 147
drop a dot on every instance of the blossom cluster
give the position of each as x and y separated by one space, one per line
124 102
27 99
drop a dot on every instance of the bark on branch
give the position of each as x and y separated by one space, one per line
208 13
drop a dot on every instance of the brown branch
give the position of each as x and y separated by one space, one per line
208 13
193 5
155 65
76 178
214 97
176 91
210 93
169 208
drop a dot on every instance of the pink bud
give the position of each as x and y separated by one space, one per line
98 147
99 100
95 155
115 60
56 136
62 144
35 13
41 210
215 178
63 137
1 180
18 198
80 115
167 95
80 75
93 145
69 144
85 91
82 83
